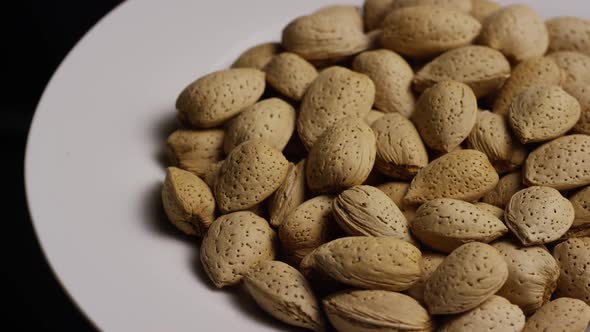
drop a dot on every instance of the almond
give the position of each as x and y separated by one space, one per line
576 67
335 94
532 275
445 115
234 244
519 154
542 113
188 201
375 310
392 76
582 93
400 150
538 215
425 31
469 276
430 262
271 120
462 5
495 314
531 72
290 74
289 195
492 136
211 174
370 262
396 192
445 224
375 12
561 164
195 150
569 34
307 227
581 203
258 56
342 158
491 209
573 257
366 210
373 116
508 185
249 175
464 174
482 9
517 31
347 13
283 292
482 68
205 102
563 314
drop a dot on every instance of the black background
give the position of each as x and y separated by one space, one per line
36 36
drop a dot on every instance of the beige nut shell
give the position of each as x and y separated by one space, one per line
492 136
569 34
430 262
289 195
508 185
462 5
374 13
396 191
564 314
573 257
581 203
482 9
257 56
290 74
576 67
195 150
495 314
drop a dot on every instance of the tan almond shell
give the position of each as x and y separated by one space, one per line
495 314
307 227
234 244
211 174
348 13
573 257
400 150
445 115
374 13
466 278
564 314
195 150
508 185
364 262
582 93
342 158
445 224
482 68
462 5
366 210
491 209
396 191
568 33
538 215
531 72
425 31
542 113
373 116
289 195
576 67
188 201
205 103
375 310
517 31
335 94
430 262
271 120
482 9
464 174
561 164
392 76
492 136
519 154
290 74
249 175
284 293
257 56
532 275
581 203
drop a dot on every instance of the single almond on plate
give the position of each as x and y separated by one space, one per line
581 203
271 120
342 158
396 191
573 257
347 13
373 116
375 310
366 210
508 185
532 275
538 215
425 31
392 76
290 74
400 150
562 164
463 5
495 314
517 31
205 102
249 175
257 56
576 67
374 13
492 136
335 94
568 33
445 224
491 209
195 150
464 174
482 9
367 262
564 314
469 276
283 292
482 68
430 262
234 244
289 195
542 113
188 201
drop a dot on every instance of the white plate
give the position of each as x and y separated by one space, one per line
94 160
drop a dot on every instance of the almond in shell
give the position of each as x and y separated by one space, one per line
576 67
396 191
491 209
582 93
374 13
492 136
258 56
373 116
495 314
289 195
508 185
564 314
482 9
290 74
569 34
573 257
581 203
463 5
430 262
347 13
195 150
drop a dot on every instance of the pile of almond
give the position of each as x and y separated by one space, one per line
416 165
